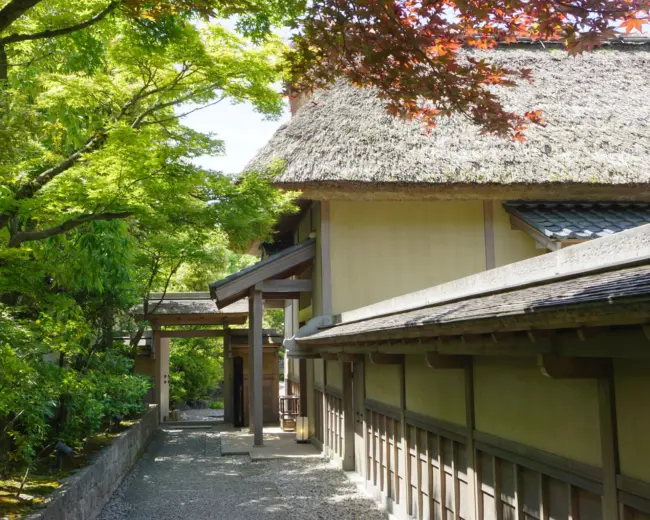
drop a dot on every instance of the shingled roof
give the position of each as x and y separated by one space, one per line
624 292
597 107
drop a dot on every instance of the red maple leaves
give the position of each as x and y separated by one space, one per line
410 50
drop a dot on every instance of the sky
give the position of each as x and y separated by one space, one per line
243 131
239 126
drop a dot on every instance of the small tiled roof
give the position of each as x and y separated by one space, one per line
580 220
280 265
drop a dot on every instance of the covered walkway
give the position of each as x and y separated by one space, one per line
183 476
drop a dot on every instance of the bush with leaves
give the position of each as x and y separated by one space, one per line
196 369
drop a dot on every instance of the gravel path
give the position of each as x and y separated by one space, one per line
183 476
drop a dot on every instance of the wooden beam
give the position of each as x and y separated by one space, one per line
285 286
540 238
377 358
561 367
326 258
330 356
488 234
191 333
344 357
445 361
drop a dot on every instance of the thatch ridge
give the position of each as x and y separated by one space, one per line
597 106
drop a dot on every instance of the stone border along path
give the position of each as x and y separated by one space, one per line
183 476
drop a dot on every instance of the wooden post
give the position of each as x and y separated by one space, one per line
348 418
302 370
288 333
470 453
161 352
255 308
405 463
609 444
228 382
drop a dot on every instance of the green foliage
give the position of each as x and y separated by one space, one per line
101 203
216 405
196 368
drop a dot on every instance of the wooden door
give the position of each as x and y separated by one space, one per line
358 388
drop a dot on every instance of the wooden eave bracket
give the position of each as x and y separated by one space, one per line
562 367
447 361
329 356
345 357
379 358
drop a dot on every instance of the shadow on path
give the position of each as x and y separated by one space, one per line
183 476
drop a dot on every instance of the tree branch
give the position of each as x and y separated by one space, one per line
29 189
180 116
3 64
27 236
52 33
14 10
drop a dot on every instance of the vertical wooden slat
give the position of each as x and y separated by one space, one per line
396 433
480 509
519 493
574 503
609 445
454 472
474 491
543 498
374 447
442 476
368 423
429 475
498 505
406 455
418 488
389 477
381 427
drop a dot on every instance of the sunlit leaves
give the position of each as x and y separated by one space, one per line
411 52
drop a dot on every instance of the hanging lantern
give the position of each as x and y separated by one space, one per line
302 430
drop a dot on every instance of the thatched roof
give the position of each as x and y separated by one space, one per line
597 107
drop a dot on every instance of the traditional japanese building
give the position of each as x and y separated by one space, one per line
457 334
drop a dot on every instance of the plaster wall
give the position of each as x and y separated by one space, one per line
513 400
632 387
319 372
384 249
383 383
334 375
511 245
439 394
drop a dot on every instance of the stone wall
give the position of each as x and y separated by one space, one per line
83 495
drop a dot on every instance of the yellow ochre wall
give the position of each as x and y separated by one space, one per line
511 245
439 394
334 375
382 249
319 372
383 383
632 387
513 400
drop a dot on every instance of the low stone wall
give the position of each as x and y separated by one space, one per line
83 495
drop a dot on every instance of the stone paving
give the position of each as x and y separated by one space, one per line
183 476
206 414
